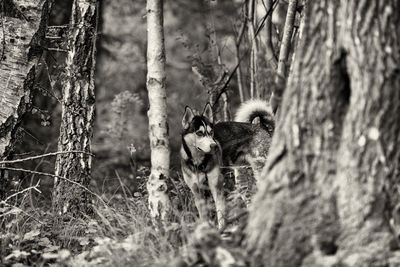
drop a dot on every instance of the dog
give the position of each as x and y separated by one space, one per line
206 147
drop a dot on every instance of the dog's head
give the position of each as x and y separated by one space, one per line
198 130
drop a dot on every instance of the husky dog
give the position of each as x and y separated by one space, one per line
207 146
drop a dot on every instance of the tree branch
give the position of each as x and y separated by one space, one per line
55 176
43 156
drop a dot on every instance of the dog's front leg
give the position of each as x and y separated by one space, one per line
194 182
216 183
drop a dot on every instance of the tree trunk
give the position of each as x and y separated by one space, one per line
276 95
78 105
254 90
22 30
330 190
159 203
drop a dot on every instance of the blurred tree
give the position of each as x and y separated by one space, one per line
78 105
159 203
330 195
22 33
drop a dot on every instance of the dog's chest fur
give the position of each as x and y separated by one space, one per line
199 163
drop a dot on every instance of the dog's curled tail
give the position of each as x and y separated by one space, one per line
255 108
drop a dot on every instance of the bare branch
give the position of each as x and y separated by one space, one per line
44 155
260 26
34 187
55 176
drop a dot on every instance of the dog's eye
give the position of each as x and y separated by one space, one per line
211 133
199 133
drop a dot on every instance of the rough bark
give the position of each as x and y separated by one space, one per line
330 190
78 106
284 53
22 30
159 202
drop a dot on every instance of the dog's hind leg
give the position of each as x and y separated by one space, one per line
242 179
216 183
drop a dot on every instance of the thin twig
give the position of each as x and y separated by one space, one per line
55 176
34 187
44 155
33 176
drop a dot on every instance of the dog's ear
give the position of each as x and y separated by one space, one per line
208 113
187 117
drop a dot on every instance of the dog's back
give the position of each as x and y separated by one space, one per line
247 138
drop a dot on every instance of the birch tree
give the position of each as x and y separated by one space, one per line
22 30
78 103
159 203
330 193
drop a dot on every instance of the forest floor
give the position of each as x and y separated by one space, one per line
118 233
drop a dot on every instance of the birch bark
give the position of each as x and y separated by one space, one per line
159 203
22 30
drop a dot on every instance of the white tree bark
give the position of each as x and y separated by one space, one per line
21 41
159 203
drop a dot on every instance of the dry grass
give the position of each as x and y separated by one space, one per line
119 233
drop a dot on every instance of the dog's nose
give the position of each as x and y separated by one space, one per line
213 145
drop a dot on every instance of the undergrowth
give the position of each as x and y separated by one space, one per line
118 233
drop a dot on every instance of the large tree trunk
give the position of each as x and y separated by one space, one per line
22 30
330 187
78 105
159 203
